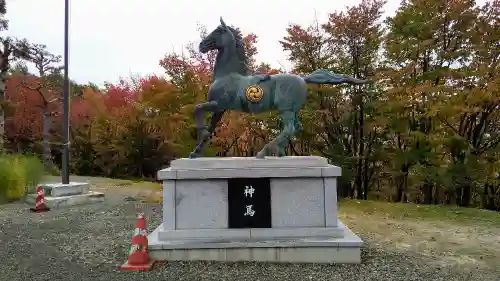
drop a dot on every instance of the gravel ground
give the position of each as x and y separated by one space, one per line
90 242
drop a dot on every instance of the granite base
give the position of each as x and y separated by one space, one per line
345 249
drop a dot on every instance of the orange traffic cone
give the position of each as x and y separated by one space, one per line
138 257
40 201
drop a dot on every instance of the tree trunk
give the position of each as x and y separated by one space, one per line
402 184
358 183
47 153
399 192
491 203
488 198
465 195
361 149
365 180
345 189
2 110
436 197
427 189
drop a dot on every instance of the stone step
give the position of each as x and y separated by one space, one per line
70 200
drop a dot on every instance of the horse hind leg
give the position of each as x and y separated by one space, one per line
297 126
288 119
282 147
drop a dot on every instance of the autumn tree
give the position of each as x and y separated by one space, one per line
426 45
46 88
133 128
19 67
355 36
84 111
348 43
48 96
470 109
152 135
23 127
266 68
10 50
44 62
307 48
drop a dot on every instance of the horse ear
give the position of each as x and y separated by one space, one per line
222 23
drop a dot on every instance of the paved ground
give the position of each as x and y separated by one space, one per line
89 243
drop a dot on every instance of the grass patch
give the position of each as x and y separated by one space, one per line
19 176
155 185
452 236
139 184
401 211
125 183
145 183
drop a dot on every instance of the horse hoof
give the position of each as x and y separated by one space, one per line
193 155
260 155
281 152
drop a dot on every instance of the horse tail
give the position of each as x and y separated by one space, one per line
323 76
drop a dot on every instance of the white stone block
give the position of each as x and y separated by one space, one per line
201 204
217 163
73 188
297 202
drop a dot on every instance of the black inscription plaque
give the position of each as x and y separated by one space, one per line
249 203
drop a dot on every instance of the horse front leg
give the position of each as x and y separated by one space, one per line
204 134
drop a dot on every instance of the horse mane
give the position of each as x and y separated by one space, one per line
240 50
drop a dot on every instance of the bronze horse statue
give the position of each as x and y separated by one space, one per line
233 89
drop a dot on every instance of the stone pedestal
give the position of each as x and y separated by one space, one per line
62 195
293 214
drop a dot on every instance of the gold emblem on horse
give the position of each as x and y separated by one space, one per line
254 93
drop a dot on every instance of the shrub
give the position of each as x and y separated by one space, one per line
19 176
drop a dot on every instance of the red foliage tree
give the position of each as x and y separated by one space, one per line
29 103
306 48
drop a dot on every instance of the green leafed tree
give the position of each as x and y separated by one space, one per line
470 113
355 36
426 49
338 121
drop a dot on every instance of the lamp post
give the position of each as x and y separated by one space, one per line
65 154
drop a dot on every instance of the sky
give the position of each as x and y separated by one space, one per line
110 39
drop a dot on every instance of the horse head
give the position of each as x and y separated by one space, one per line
218 39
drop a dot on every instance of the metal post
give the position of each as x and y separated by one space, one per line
65 154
